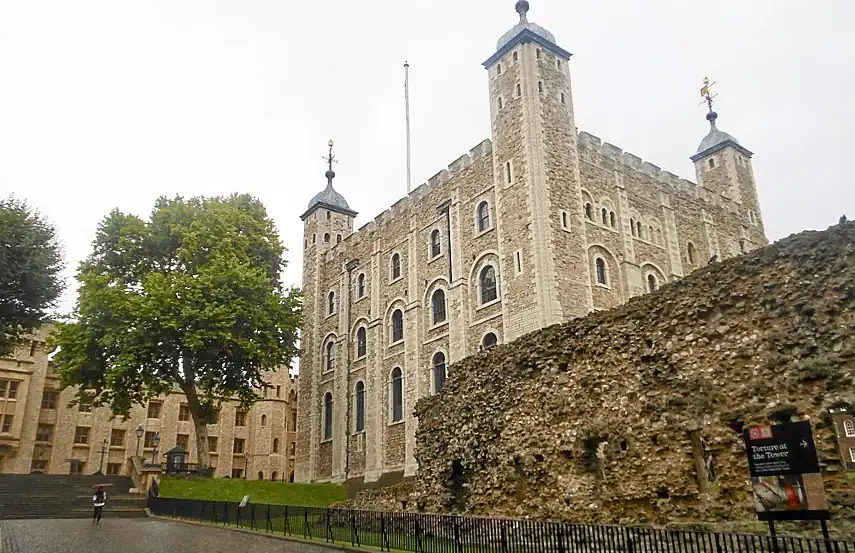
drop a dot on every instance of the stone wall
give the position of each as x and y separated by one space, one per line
606 418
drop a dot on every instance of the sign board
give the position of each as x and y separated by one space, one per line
244 501
785 477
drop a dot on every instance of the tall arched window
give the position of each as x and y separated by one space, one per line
396 394
361 343
328 414
330 356
396 266
438 372
605 214
690 252
397 326
849 429
331 303
651 283
338 238
274 476
632 226
360 406
275 445
483 216
613 219
435 244
589 212
438 306
360 285
327 237
602 274
487 283
638 229
490 341
263 420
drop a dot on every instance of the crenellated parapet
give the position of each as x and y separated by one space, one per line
669 181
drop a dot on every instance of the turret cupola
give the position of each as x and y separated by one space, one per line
329 198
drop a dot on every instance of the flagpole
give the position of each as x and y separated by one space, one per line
407 101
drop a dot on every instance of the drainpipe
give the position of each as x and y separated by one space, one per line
349 267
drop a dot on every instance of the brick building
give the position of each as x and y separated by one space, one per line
844 426
537 225
40 431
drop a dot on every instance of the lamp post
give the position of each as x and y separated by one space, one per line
103 451
154 441
139 433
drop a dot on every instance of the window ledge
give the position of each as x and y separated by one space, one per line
396 343
360 298
360 358
488 304
603 286
437 326
436 258
481 233
81 445
331 315
396 279
398 423
327 441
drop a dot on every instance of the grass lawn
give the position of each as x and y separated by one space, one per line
260 492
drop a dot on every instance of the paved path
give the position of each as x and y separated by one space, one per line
135 535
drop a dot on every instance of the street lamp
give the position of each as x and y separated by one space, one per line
154 441
103 451
140 433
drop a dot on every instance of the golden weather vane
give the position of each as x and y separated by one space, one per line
706 94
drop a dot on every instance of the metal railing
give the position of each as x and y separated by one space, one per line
423 533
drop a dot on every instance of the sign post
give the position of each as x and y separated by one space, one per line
785 477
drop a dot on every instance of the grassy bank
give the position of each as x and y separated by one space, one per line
260 492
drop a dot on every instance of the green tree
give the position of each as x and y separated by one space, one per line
30 267
191 299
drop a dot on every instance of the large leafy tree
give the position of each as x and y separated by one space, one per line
191 299
30 271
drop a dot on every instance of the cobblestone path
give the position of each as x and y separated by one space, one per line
134 535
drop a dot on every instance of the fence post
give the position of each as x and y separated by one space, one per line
418 537
504 526
354 537
630 545
306 531
329 528
384 539
286 523
252 517
457 545
561 548
269 526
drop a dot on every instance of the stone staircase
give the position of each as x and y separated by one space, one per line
54 496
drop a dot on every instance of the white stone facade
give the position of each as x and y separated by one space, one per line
571 225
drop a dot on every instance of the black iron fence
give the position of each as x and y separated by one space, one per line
422 533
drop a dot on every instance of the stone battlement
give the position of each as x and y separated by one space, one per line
665 178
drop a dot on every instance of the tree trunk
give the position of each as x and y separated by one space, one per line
200 425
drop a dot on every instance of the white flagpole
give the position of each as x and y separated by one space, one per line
407 101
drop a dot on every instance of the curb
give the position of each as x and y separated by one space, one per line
294 539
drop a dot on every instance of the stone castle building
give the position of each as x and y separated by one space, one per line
536 226
41 431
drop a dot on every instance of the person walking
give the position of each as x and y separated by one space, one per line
99 499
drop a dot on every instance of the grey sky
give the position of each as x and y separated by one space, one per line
111 103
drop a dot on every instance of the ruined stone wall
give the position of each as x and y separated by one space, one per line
605 418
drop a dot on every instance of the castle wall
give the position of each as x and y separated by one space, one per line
603 419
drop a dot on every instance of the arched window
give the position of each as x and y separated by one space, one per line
638 229
490 341
326 237
605 214
263 420
338 238
360 285
275 445
487 283
438 372
589 212
849 429
291 477
330 356
632 226
659 236
260 475
613 219
438 306
690 252
396 266
602 274
328 414
361 343
274 475
435 244
331 303
396 394
360 406
397 326
329 215
650 234
483 216
651 283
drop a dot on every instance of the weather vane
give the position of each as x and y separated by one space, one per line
330 159
706 94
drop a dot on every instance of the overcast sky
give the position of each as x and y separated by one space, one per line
112 103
